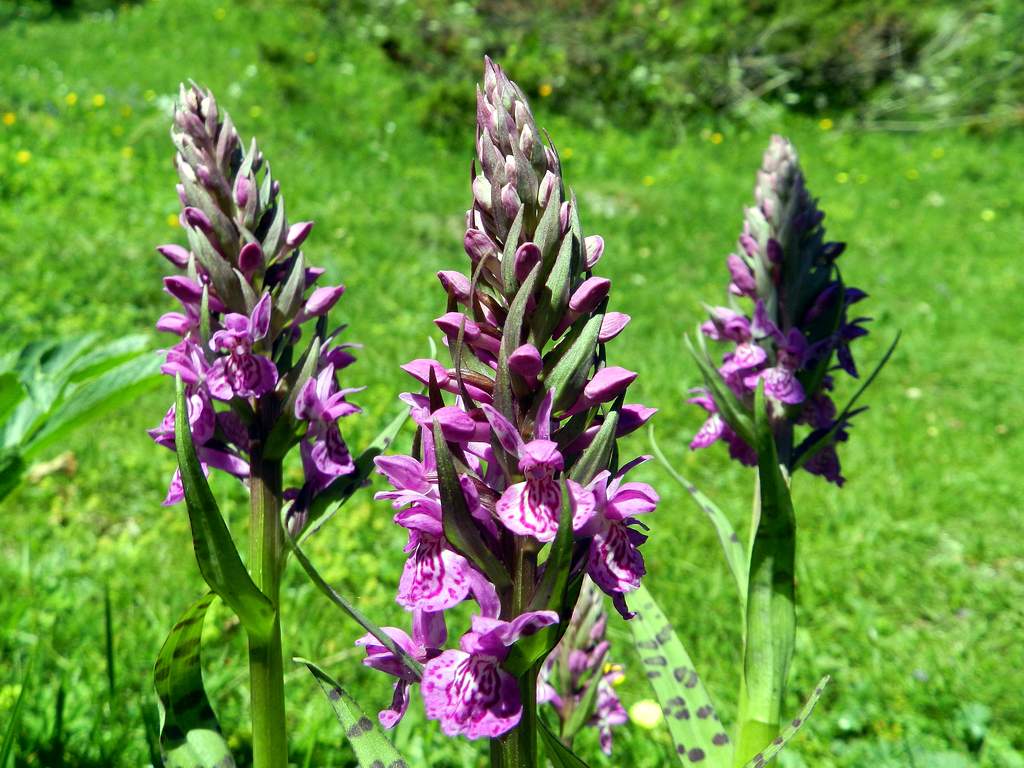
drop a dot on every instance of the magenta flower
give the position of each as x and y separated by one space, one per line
321 404
466 689
242 373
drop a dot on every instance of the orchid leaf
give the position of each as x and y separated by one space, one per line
728 405
12 468
459 526
190 736
11 393
771 617
559 754
510 342
598 454
569 375
690 715
732 547
372 747
215 550
764 757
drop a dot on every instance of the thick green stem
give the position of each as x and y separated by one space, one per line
518 747
266 667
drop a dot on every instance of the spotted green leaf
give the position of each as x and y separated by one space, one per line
373 749
190 736
697 733
764 757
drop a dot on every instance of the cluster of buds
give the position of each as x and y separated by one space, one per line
797 333
577 679
513 492
245 292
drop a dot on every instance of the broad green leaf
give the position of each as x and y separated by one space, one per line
692 720
346 605
12 469
11 729
95 398
732 547
215 549
764 757
190 736
459 526
342 489
771 617
11 393
559 754
102 358
372 747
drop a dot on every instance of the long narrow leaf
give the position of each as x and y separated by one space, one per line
771 617
190 736
691 717
354 613
372 747
559 754
11 393
215 550
7 746
732 547
764 757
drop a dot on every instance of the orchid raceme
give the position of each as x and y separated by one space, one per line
788 324
258 367
513 490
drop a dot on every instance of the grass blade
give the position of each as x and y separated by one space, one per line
732 547
215 550
189 735
373 749
7 746
762 758
692 720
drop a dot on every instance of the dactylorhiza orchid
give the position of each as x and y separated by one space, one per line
578 680
795 332
258 366
513 491
245 292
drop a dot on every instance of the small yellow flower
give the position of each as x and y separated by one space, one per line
646 713
647 181
149 94
255 111
988 215
23 156
717 138
566 153
826 124
10 118
310 57
842 177
545 90
219 14
71 99
912 174
98 100
127 153
126 111
172 220
938 153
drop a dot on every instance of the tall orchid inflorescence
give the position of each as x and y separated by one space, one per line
257 369
245 292
514 489
795 335
578 680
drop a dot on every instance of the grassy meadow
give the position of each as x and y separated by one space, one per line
911 578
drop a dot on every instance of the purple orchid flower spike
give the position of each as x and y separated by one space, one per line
798 331
242 373
466 689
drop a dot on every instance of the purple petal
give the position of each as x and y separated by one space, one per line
612 325
297 234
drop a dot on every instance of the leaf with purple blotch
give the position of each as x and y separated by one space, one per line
764 757
697 733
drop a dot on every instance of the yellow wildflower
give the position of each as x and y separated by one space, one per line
172 220
647 181
10 118
98 100
545 90
646 713
717 138
826 124
71 99
988 215
23 156
219 14
127 153
566 153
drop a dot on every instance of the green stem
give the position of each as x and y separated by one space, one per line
266 666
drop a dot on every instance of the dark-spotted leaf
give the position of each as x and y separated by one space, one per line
559 754
732 547
215 550
190 736
372 747
697 734
764 757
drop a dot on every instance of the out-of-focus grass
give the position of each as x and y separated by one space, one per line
911 578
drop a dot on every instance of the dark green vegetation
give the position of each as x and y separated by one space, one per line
911 579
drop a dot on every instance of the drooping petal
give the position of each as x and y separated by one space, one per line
434 578
614 562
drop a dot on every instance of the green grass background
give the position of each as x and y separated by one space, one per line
911 578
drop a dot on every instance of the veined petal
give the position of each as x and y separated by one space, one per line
531 508
435 578
614 562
